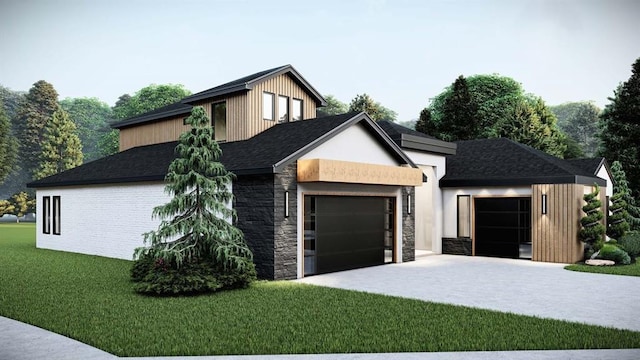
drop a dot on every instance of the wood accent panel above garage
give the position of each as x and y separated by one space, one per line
323 170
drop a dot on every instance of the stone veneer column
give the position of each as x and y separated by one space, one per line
285 228
408 227
254 206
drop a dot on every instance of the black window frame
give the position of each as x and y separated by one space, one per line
46 215
57 207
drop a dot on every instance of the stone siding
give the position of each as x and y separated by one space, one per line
457 246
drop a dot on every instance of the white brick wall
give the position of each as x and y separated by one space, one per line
105 220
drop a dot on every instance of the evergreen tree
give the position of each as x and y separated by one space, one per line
8 145
196 231
620 124
459 113
621 186
334 107
61 147
375 110
92 118
425 124
33 114
593 230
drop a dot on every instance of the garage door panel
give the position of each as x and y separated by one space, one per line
497 219
502 225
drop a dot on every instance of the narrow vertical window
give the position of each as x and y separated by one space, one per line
267 106
283 109
46 215
56 215
464 216
297 110
219 120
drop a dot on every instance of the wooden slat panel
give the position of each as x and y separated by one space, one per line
154 133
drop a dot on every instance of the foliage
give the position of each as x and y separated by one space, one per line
33 115
573 149
109 144
92 118
199 229
377 112
21 204
88 298
592 231
627 270
620 124
8 145
620 186
614 253
148 98
6 207
334 107
579 121
617 218
424 122
61 147
630 242
497 106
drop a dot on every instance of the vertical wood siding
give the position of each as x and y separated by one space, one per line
153 133
555 234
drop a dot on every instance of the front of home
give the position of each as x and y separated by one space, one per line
313 195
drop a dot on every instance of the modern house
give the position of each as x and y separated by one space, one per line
316 195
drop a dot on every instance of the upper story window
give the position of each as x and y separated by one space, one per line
219 120
297 110
283 109
267 105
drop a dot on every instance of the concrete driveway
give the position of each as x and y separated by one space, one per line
517 286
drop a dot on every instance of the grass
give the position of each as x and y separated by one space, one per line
90 299
628 270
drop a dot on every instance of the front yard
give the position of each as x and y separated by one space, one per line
629 270
90 299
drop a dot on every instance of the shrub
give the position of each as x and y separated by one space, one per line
630 242
614 253
158 277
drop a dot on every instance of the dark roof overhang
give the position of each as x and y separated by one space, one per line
569 179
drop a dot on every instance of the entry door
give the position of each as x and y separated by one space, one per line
503 227
347 232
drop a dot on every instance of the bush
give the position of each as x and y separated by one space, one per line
630 242
614 253
157 277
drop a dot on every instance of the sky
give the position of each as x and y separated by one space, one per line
401 53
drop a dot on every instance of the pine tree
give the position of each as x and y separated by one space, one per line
459 113
196 227
593 230
425 124
34 112
621 186
61 147
620 124
8 145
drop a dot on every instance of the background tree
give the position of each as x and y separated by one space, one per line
6 207
17 177
620 124
22 204
8 145
377 112
500 108
617 218
573 149
92 118
424 123
621 186
61 147
334 107
459 113
33 115
579 121
148 98
195 248
592 231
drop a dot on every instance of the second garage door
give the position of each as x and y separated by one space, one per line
347 232
503 227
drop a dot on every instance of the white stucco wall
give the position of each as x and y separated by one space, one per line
450 203
353 144
105 220
429 199
604 174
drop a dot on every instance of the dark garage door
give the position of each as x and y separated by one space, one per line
347 232
503 227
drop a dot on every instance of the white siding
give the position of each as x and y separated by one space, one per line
353 144
450 197
604 174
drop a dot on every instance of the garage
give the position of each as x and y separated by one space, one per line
503 227
347 232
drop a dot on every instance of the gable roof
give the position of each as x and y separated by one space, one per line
415 140
267 152
504 162
246 83
249 81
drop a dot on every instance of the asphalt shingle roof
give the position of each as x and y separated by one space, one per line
591 165
258 154
501 161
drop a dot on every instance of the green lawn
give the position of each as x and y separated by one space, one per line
90 299
629 270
